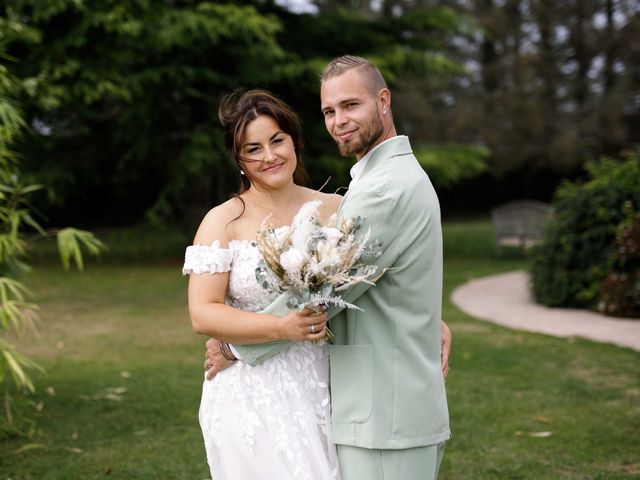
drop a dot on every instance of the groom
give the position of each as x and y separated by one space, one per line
389 408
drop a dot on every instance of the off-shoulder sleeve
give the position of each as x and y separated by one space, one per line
207 259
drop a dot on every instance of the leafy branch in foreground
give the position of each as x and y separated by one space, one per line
17 314
70 244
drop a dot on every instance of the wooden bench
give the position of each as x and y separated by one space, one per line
520 223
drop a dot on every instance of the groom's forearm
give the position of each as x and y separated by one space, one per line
257 353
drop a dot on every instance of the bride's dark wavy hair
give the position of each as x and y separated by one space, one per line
240 108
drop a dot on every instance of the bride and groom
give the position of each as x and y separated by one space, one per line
271 407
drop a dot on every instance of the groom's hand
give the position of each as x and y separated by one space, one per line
446 338
214 360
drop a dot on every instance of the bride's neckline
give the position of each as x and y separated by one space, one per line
253 241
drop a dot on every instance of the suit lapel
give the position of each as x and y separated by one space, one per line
397 146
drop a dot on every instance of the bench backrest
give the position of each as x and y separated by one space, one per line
525 218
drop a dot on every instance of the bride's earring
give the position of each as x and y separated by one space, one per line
242 172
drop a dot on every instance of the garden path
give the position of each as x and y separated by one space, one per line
505 299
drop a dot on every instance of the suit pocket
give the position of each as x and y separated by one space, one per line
351 383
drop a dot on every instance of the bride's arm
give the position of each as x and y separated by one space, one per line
211 317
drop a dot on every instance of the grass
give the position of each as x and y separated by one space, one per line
121 392
124 331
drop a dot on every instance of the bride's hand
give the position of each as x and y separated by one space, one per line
304 324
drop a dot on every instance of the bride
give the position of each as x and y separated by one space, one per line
272 420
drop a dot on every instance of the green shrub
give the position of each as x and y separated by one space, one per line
620 294
580 249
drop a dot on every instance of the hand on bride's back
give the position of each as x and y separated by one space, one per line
304 324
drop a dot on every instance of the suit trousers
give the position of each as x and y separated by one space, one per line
420 463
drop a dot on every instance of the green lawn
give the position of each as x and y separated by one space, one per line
124 370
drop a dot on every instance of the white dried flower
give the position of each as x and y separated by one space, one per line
328 254
292 260
281 233
333 235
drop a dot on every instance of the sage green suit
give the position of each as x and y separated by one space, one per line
387 389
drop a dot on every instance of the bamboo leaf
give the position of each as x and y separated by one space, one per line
30 189
70 244
29 220
16 370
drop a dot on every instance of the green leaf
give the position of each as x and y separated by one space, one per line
447 165
20 377
71 241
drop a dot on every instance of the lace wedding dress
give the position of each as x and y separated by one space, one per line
271 421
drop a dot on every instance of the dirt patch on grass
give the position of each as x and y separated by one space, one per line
77 330
585 473
470 328
602 376
568 474
629 469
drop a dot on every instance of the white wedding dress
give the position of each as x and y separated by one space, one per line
271 421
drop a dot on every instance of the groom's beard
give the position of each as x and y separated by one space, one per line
367 138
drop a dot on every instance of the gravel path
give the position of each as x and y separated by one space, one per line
505 300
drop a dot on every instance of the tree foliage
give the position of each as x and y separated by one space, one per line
552 86
122 96
449 164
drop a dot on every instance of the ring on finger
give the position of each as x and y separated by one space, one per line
313 328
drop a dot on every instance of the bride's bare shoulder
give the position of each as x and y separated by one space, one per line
330 204
215 224
331 200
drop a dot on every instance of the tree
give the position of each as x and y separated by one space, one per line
557 83
122 97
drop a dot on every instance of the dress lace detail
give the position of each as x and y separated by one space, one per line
207 259
271 421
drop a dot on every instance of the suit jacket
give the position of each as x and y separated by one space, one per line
387 389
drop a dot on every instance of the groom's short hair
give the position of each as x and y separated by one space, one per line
338 66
